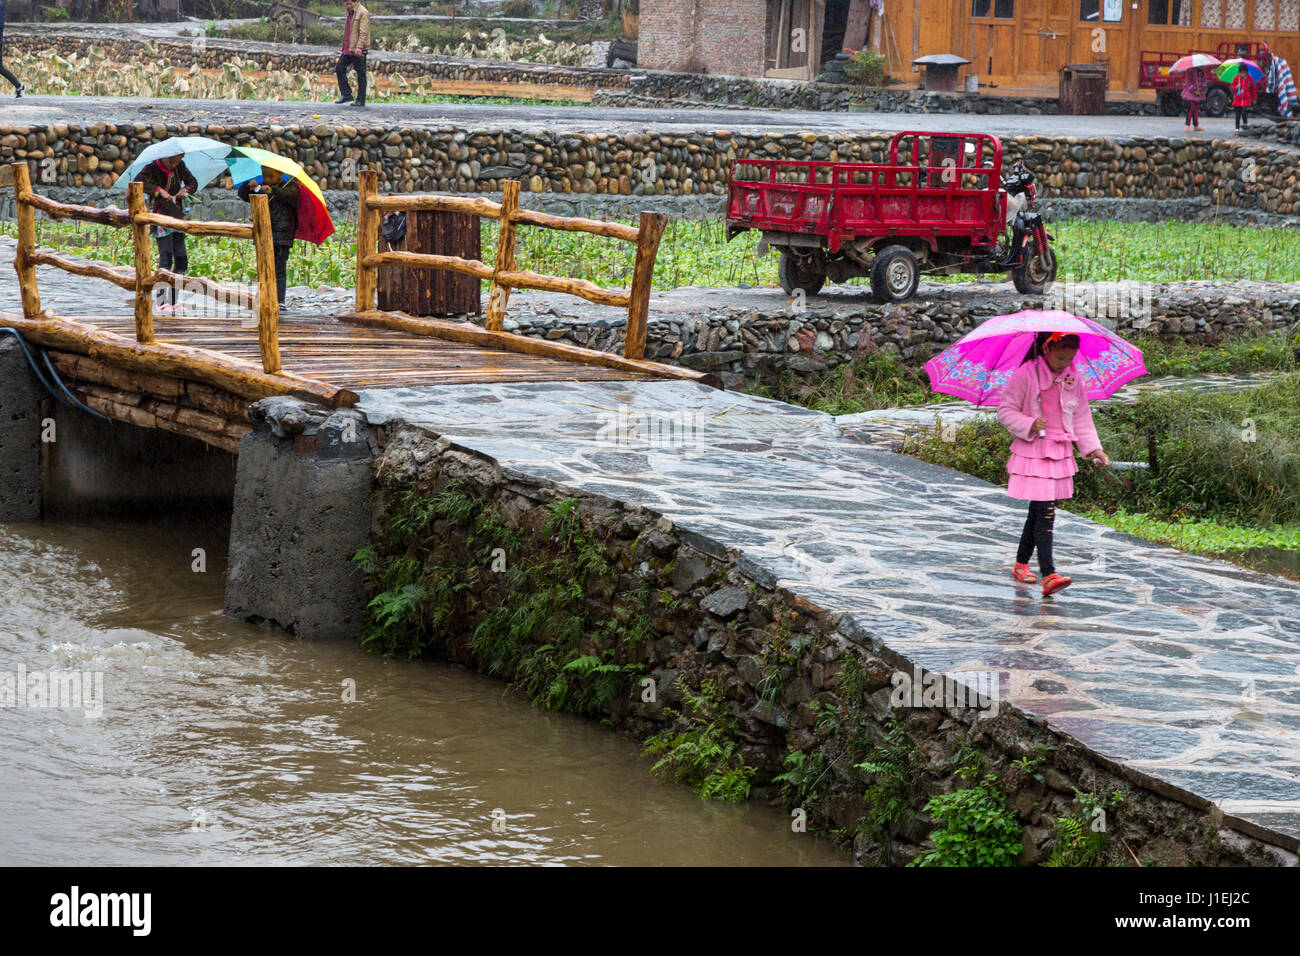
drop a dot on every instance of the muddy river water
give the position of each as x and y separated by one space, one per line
226 743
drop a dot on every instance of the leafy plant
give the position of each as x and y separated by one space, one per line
975 828
866 69
705 755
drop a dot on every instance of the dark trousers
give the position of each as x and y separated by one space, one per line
4 71
173 257
1038 536
281 270
1193 113
1243 116
341 71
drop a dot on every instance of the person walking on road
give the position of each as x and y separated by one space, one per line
1045 407
356 44
167 181
1194 94
283 208
18 87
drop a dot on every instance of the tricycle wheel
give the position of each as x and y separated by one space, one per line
1171 104
795 275
1216 101
895 274
1033 276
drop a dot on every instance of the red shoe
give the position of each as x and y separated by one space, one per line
1055 582
1022 574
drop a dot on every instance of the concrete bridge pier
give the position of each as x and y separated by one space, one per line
21 398
301 511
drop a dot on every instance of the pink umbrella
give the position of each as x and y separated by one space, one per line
978 365
1192 61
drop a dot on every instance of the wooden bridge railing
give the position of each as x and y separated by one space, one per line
505 274
142 279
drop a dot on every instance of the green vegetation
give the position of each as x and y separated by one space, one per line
705 756
1081 838
477 37
975 828
891 767
545 640
696 253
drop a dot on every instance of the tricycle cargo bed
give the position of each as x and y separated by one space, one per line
942 196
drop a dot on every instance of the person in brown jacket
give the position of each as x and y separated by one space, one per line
167 181
356 44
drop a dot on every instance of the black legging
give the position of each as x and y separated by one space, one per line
1038 535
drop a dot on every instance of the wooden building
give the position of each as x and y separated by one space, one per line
1020 44
1024 43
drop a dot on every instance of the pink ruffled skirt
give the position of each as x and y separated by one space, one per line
1045 476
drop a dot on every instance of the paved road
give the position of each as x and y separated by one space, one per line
42 110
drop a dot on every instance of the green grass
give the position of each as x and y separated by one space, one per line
1199 536
695 252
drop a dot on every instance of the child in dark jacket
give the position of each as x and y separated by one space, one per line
167 182
283 207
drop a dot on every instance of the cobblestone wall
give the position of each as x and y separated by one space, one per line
650 163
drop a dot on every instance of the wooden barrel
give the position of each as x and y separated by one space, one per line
433 291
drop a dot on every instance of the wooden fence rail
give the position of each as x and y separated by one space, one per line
143 277
505 273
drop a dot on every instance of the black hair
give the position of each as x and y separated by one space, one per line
1040 342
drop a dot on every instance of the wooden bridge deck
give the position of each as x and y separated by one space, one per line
358 357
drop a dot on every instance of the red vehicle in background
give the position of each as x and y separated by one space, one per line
1154 74
939 206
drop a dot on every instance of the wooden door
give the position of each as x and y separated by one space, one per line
792 39
1045 42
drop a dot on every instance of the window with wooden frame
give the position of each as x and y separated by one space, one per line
1224 14
1280 16
999 9
1101 11
1169 13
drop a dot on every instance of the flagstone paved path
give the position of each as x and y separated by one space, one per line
1184 669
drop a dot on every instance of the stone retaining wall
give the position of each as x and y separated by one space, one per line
452 159
756 336
678 89
699 635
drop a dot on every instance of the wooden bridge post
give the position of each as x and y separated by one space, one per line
143 263
268 300
638 308
27 287
367 240
499 295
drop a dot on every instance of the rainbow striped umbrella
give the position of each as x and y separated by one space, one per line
314 222
1228 72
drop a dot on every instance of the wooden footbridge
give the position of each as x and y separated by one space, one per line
197 375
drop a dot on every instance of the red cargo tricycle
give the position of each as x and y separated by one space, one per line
940 206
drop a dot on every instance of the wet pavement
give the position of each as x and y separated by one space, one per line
1182 669
47 110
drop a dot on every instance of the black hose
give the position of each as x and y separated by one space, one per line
71 400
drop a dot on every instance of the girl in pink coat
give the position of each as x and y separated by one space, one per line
1045 408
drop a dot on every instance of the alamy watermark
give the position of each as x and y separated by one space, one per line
626 427
976 689
53 690
1127 302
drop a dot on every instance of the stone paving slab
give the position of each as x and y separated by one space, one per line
1181 669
